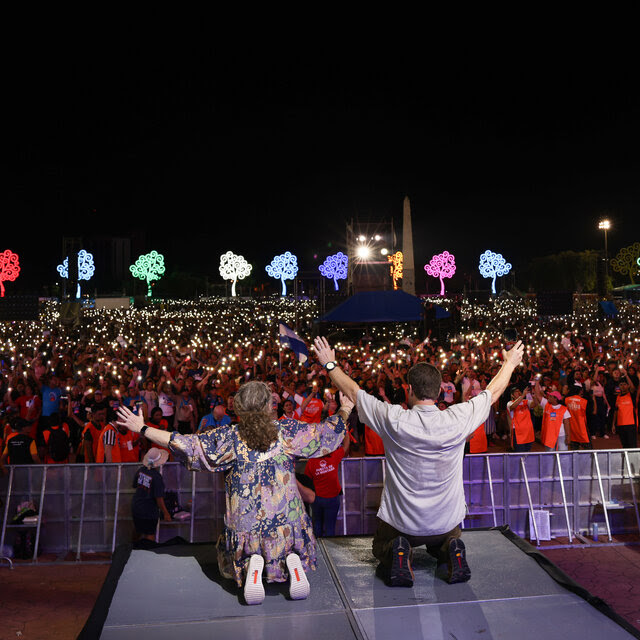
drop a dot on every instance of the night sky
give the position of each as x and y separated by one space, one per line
267 150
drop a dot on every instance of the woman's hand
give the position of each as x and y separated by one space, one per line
345 402
126 418
324 351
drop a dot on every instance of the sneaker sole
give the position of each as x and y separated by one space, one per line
253 587
459 569
299 585
401 571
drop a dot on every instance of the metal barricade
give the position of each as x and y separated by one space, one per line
85 508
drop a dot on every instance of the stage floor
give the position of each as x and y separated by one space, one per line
176 591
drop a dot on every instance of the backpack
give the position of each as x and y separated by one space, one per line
58 444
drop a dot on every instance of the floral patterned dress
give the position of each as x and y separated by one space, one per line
265 514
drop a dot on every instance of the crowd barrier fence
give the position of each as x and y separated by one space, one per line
86 508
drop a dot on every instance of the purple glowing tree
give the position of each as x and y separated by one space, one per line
335 267
442 265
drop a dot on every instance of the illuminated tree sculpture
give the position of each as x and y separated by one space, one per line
397 263
627 260
86 268
335 267
233 267
149 267
9 268
442 265
492 265
283 267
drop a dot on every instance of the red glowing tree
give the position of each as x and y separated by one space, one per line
442 265
9 268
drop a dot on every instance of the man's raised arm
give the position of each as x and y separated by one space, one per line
511 359
326 355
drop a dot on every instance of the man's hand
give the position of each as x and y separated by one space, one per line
128 419
514 355
324 351
345 401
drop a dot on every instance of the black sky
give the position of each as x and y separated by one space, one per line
264 150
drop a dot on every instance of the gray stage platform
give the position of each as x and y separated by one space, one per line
175 592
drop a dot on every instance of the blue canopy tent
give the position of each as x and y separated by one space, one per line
380 306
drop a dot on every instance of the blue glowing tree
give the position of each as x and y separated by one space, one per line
283 267
149 267
86 268
492 265
335 267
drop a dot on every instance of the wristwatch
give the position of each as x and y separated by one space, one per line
143 429
330 366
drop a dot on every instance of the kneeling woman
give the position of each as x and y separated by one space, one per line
266 527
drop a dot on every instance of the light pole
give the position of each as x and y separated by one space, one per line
605 225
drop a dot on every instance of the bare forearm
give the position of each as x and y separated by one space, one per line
344 383
157 436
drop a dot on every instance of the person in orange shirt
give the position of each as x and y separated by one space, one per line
577 405
56 444
311 408
118 444
519 412
91 433
556 428
477 441
624 416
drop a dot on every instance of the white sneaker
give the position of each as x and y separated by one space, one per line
299 588
253 587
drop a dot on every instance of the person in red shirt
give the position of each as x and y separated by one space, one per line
624 416
326 482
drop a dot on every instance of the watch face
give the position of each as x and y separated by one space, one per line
330 365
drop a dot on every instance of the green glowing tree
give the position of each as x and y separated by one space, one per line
626 262
149 267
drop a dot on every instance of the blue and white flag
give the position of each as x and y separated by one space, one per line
289 338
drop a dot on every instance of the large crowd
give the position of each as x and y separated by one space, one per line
180 364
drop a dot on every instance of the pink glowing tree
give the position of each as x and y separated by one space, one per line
9 268
442 265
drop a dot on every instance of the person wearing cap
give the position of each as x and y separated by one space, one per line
148 499
556 426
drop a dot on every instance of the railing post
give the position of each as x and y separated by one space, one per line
344 499
533 518
6 508
493 504
564 497
633 490
604 501
41 508
115 515
80 524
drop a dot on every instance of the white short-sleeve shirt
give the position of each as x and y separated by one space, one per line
423 493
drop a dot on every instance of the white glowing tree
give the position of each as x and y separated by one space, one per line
149 267
493 265
442 265
335 267
283 267
86 268
233 267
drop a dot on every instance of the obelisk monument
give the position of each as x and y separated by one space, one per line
408 271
